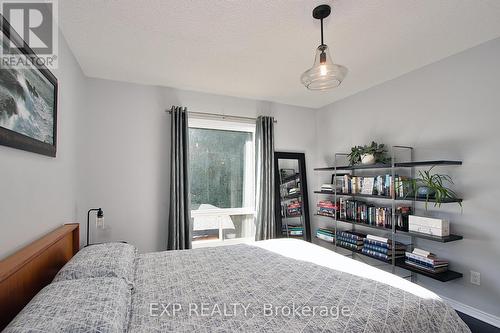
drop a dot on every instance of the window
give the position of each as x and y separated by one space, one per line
222 182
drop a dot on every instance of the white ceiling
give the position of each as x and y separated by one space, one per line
259 48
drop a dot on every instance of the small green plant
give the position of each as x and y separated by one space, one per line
432 186
377 150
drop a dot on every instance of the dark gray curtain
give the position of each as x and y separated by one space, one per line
179 229
265 195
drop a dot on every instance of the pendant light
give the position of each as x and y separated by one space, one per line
324 74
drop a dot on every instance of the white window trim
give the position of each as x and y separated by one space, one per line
223 212
224 125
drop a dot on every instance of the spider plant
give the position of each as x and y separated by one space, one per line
433 186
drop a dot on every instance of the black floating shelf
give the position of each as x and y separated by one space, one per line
409 198
443 239
388 166
443 277
358 223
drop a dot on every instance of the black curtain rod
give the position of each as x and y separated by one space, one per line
218 115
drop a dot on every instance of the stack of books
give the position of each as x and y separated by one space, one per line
294 209
326 234
425 261
326 208
293 231
350 240
381 248
327 188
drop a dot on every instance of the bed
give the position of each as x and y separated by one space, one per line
283 285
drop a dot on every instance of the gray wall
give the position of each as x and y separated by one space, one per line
38 193
124 152
447 110
113 152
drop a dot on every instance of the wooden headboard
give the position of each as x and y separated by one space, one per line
26 272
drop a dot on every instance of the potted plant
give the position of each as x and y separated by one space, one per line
368 154
432 186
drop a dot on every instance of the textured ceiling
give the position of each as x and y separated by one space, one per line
259 48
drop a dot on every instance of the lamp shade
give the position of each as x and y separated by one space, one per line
324 74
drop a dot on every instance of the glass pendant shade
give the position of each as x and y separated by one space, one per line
324 74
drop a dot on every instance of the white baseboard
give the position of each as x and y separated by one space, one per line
473 312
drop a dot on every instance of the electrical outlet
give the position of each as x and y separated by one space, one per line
475 278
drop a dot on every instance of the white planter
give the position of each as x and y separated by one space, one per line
367 159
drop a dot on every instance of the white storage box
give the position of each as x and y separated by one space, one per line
430 226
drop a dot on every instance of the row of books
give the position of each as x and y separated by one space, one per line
360 211
426 261
326 208
379 185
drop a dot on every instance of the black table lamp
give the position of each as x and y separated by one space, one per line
99 220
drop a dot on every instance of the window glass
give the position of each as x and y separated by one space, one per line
217 168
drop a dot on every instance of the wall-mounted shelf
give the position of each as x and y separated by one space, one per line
393 231
383 197
389 166
399 262
443 277
441 239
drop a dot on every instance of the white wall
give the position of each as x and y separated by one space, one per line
447 110
124 138
38 193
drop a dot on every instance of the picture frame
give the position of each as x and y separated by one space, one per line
28 100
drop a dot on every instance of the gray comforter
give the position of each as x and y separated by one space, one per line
271 286
244 288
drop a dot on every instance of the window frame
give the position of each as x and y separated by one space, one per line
249 173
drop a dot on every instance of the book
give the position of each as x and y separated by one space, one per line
350 240
399 246
367 185
425 260
353 234
383 250
428 269
376 254
349 246
421 252
325 232
378 238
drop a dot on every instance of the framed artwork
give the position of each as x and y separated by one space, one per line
28 98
